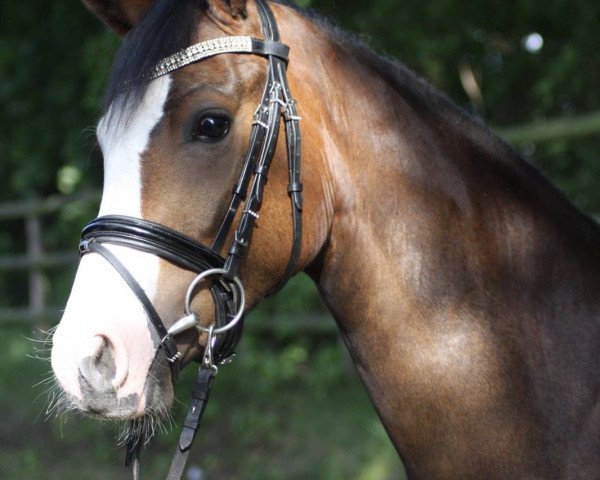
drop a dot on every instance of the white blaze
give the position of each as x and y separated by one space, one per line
122 145
100 302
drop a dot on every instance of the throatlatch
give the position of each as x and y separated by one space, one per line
226 288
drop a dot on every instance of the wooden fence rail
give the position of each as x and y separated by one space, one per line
36 260
541 131
38 207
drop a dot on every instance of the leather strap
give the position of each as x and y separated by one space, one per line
294 153
240 190
153 238
268 48
200 395
277 100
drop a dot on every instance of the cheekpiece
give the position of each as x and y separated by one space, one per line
199 51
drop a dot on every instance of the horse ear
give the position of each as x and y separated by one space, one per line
119 15
228 11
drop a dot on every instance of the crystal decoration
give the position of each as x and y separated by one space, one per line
199 51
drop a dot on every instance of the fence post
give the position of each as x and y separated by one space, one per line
37 280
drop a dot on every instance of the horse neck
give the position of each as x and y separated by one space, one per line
417 190
446 259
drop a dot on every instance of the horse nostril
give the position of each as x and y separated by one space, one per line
102 364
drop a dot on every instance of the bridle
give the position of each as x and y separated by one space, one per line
226 289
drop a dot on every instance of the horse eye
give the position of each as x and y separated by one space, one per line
211 127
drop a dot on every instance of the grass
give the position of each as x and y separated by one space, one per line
285 409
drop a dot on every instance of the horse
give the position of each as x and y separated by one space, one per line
464 284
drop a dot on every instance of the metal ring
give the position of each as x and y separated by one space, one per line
235 281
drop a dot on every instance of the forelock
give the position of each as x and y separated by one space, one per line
167 27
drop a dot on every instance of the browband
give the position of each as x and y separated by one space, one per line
216 46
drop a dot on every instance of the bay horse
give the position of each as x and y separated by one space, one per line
464 285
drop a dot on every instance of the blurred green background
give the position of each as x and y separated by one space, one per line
290 406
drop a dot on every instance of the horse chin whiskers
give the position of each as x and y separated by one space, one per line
60 404
142 429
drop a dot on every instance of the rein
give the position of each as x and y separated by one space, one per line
226 288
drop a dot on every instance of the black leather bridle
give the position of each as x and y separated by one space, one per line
226 289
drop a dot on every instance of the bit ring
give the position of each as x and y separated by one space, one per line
235 282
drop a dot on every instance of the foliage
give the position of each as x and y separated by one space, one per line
53 59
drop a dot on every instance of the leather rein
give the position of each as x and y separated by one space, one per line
226 288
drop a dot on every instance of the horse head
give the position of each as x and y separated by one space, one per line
175 142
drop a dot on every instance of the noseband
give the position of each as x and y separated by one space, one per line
226 288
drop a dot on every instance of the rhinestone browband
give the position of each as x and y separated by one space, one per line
199 51
209 48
